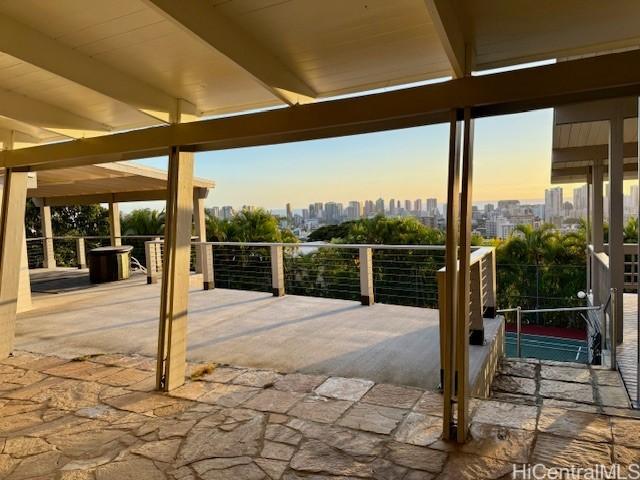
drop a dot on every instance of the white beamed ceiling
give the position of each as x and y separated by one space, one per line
332 46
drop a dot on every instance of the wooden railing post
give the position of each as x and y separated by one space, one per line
476 321
153 259
49 259
277 270
80 253
489 267
206 262
366 275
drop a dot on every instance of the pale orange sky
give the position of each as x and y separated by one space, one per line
512 156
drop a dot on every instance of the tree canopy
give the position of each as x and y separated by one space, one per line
248 226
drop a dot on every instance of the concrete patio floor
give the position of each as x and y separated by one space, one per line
384 343
97 418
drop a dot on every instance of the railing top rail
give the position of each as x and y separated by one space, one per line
550 310
602 257
476 255
324 245
74 237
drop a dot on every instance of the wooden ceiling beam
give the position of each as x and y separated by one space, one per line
595 111
34 112
588 154
587 79
35 48
449 29
203 21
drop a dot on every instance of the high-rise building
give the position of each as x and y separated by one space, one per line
333 212
432 206
580 201
354 210
508 205
553 203
392 207
380 206
227 212
305 214
369 208
417 205
215 212
289 211
318 210
408 206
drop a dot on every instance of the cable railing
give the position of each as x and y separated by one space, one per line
407 277
585 345
70 251
394 274
321 271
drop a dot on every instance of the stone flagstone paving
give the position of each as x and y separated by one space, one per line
98 418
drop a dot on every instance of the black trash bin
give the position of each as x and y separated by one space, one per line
108 264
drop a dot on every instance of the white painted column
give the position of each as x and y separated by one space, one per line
616 217
174 298
47 234
277 270
14 197
114 224
366 275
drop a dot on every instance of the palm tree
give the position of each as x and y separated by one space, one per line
143 221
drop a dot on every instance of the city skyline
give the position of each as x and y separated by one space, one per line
512 159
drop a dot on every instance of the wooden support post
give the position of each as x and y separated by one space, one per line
14 197
463 313
24 290
114 224
47 234
174 297
206 256
199 220
80 253
277 270
616 217
441 276
366 275
451 277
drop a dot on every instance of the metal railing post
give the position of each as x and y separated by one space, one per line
366 275
80 253
277 270
518 332
613 337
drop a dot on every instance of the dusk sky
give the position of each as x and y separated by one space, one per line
512 160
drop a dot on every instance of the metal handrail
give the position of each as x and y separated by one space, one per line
600 308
